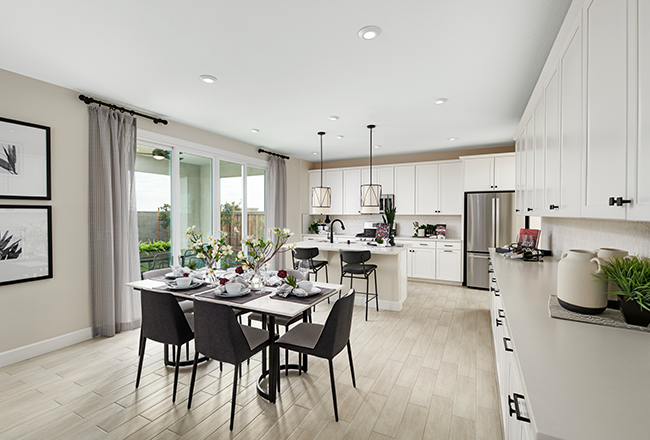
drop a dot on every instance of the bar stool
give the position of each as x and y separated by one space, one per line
304 258
356 265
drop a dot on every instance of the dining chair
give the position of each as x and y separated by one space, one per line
324 341
161 260
280 320
355 267
220 337
304 258
163 321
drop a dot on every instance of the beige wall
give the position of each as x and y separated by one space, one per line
413 158
36 311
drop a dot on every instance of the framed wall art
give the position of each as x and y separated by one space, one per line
24 160
25 243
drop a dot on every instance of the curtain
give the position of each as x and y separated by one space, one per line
276 201
114 258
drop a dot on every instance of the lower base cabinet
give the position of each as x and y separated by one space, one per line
516 415
441 261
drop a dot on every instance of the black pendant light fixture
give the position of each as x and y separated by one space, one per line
321 196
370 194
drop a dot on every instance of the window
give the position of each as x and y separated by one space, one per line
231 184
195 201
255 215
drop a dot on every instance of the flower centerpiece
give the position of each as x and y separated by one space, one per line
210 250
259 251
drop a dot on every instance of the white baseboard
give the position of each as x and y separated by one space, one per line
42 347
393 306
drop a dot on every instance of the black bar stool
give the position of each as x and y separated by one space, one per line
355 264
304 258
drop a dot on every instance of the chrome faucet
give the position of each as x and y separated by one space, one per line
332 228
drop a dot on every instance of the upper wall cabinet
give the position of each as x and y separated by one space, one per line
351 191
489 172
381 175
450 188
405 189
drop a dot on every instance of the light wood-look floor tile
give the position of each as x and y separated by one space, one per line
427 372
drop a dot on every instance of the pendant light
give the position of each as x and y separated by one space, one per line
370 194
321 196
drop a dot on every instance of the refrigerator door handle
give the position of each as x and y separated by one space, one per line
496 214
494 220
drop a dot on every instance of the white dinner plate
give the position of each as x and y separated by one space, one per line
314 291
233 295
195 283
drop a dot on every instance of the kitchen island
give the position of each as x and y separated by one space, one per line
391 271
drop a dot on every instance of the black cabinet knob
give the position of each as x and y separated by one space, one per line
612 201
499 322
621 202
516 210
529 209
552 207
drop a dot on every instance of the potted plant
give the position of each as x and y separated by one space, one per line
389 217
632 276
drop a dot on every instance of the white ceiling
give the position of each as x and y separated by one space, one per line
284 66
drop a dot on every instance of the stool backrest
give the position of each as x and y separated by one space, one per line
354 257
305 253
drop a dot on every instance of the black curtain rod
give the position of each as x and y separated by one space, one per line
114 107
261 150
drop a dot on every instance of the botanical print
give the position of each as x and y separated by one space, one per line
10 244
9 153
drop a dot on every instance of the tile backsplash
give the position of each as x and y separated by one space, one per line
562 234
404 223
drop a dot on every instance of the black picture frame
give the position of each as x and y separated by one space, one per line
25 160
25 243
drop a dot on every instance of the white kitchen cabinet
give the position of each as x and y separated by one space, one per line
448 264
529 194
491 173
314 181
334 179
405 189
605 149
426 189
538 161
450 188
423 261
382 175
520 174
351 191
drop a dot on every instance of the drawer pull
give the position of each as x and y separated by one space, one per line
501 313
498 321
448 251
520 409
505 344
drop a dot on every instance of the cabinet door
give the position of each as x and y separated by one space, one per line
551 168
426 189
405 189
639 157
479 174
520 174
334 179
448 265
606 72
351 191
424 263
365 176
504 173
385 178
571 134
450 188
411 263
538 162
530 166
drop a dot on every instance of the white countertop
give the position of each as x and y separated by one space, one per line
398 238
582 381
358 246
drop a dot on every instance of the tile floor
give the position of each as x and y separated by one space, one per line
427 372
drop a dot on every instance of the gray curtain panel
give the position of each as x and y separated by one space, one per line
114 258
276 201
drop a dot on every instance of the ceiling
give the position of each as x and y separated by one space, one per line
285 66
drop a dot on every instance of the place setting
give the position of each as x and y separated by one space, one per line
302 292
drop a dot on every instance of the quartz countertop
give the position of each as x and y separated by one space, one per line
358 246
582 381
397 238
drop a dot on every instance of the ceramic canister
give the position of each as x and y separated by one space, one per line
606 254
578 289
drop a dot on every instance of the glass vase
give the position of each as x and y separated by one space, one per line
256 279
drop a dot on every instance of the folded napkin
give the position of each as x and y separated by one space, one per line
273 281
236 279
286 290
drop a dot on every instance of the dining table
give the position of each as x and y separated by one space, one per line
264 301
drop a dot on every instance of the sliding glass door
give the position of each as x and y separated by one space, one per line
231 197
195 201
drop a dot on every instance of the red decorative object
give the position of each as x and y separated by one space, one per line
186 274
239 270
282 273
223 281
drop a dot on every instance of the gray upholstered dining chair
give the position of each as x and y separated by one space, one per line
324 341
355 267
280 320
219 336
163 321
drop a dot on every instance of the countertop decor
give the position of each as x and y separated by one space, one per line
610 317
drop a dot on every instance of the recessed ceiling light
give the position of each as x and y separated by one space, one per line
377 146
333 118
339 136
452 138
208 79
440 101
255 130
315 153
369 32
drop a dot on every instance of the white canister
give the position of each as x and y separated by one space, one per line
607 254
578 289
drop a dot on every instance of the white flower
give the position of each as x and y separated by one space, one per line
200 255
286 231
292 246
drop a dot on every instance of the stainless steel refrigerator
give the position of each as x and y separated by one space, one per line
489 222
